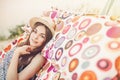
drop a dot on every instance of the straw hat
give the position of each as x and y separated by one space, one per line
45 20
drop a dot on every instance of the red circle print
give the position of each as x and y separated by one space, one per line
114 32
104 64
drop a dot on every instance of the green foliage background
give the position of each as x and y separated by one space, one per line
14 32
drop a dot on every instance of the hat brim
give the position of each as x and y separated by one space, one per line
44 20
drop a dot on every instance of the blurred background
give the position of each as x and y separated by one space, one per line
15 13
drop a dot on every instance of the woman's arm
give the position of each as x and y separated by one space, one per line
12 70
36 64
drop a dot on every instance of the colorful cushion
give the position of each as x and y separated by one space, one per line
84 48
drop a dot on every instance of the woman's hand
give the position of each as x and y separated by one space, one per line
23 50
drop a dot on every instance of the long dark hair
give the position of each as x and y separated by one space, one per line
25 59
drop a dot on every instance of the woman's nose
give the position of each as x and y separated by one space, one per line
36 36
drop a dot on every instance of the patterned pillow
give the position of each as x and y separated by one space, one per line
83 48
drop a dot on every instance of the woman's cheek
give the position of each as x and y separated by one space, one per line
41 42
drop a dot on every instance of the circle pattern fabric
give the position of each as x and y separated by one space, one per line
89 51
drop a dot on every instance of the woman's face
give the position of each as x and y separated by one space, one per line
38 36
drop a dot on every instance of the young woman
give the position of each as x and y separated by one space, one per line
25 60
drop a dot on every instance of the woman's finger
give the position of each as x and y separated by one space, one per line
28 49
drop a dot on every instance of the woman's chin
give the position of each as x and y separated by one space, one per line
33 45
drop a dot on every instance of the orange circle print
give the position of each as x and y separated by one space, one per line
88 75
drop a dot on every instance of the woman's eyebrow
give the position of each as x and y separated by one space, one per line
42 34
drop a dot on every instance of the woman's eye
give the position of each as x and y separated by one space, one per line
43 36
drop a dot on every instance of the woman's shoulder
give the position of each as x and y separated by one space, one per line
39 57
39 60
